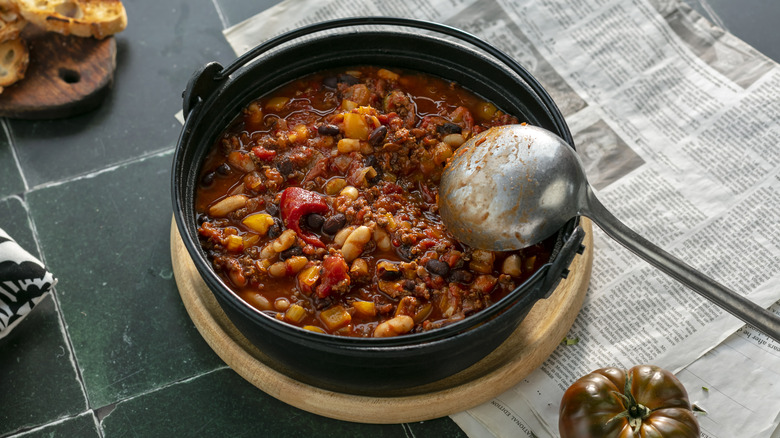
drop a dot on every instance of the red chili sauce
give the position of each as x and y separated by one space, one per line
318 205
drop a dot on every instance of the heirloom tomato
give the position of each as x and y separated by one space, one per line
645 401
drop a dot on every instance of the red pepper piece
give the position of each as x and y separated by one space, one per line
295 203
263 153
334 275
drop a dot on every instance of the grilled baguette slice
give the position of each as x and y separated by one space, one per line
84 18
11 21
14 58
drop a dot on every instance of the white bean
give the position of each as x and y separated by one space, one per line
398 325
354 244
295 264
512 266
285 241
267 252
277 269
454 140
382 239
228 205
342 235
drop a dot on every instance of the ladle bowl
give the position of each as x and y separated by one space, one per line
512 186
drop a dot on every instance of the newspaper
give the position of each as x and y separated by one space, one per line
678 124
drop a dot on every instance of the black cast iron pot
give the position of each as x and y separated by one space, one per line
357 365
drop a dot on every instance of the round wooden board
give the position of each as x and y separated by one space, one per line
534 340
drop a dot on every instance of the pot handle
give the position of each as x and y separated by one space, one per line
208 78
559 269
202 83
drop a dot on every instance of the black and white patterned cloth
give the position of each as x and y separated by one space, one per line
24 282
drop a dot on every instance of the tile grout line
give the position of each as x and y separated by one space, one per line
23 432
165 386
94 173
12 145
97 172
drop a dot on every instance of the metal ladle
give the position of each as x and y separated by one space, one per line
512 186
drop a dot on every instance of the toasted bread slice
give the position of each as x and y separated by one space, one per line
14 58
84 18
11 21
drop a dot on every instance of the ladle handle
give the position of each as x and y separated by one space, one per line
736 304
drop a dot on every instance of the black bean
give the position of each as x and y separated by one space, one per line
207 179
223 169
348 79
377 136
448 128
272 209
334 223
276 229
328 130
437 267
389 274
371 161
285 167
200 218
460 277
409 285
314 221
290 252
330 82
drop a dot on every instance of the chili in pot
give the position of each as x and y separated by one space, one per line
318 205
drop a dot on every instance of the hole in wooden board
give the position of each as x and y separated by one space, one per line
69 76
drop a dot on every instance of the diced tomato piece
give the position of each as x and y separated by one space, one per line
263 153
334 275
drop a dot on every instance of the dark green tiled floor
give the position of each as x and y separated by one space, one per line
37 375
241 409
40 383
128 326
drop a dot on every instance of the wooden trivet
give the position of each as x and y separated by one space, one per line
534 340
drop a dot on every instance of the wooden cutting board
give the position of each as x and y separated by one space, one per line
66 76
527 347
